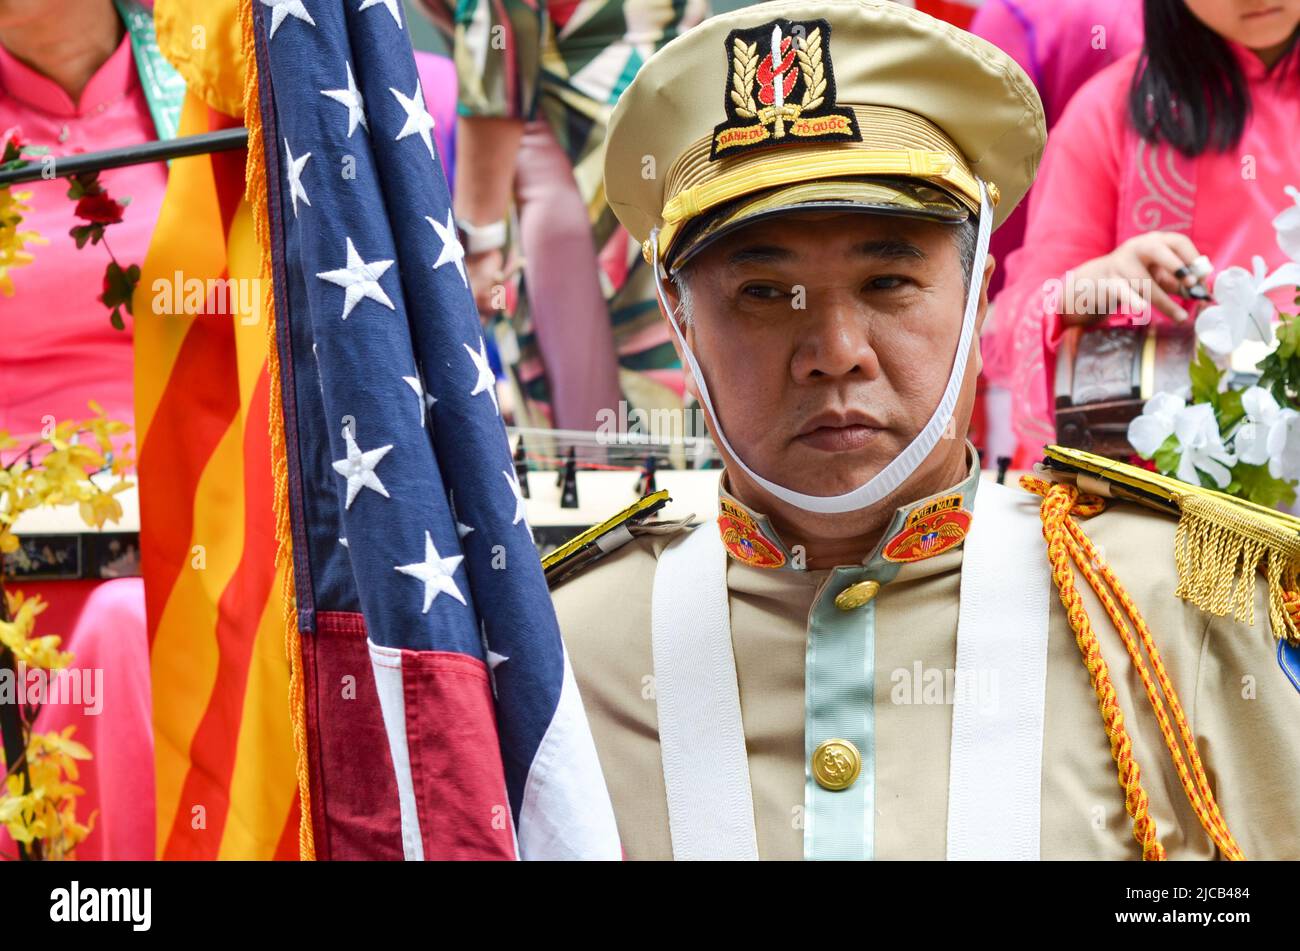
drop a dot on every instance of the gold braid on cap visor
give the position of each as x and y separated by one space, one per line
894 142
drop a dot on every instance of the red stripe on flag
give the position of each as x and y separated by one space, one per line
195 412
199 403
227 171
355 812
456 771
213 746
286 850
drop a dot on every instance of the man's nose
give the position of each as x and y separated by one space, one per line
836 341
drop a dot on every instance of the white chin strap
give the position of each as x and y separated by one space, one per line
904 464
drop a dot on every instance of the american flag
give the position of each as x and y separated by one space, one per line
409 528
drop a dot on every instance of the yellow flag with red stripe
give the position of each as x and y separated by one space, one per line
225 760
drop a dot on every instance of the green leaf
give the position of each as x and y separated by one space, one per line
1168 455
116 289
1270 368
1229 410
116 320
1256 484
1205 376
1291 340
1288 329
82 184
1280 370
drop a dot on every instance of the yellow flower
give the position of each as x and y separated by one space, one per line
12 241
99 509
62 747
77 451
16 634
43 652
48 811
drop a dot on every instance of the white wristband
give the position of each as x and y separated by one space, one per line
479 238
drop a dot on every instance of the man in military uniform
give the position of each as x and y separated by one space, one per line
867 652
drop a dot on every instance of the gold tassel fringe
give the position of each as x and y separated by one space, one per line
1218 546
255 191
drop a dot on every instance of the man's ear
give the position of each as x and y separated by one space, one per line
674 300
977 355
673 297
990 265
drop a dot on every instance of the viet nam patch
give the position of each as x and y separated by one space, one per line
929 530
744 540
781 88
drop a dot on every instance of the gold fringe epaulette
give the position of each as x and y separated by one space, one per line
1220 541
600 539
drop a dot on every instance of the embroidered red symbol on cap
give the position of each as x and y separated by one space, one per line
767 74
781 89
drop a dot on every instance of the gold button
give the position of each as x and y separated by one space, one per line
856 595
836 764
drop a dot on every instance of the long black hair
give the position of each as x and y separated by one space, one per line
1188 89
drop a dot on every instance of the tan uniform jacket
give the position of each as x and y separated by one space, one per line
1242 707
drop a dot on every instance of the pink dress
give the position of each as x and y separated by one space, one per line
59 349
60 352
1060 44
1100 185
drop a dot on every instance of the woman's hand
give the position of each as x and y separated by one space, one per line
486 273
1136 276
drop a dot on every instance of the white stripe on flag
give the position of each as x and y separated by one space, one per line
387 665
566 812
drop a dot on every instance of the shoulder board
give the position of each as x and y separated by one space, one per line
1220 539
600 539
1108 477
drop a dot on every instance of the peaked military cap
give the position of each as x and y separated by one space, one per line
865 104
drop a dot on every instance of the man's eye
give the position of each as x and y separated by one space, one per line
887 282
763 292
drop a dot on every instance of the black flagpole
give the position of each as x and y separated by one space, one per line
160 151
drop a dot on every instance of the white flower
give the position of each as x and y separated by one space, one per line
1202 445
1243 311
1156 424
1287 226
1269 434
1253 438
1199 441
1284 447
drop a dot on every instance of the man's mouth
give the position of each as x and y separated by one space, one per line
834 432
1260 14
